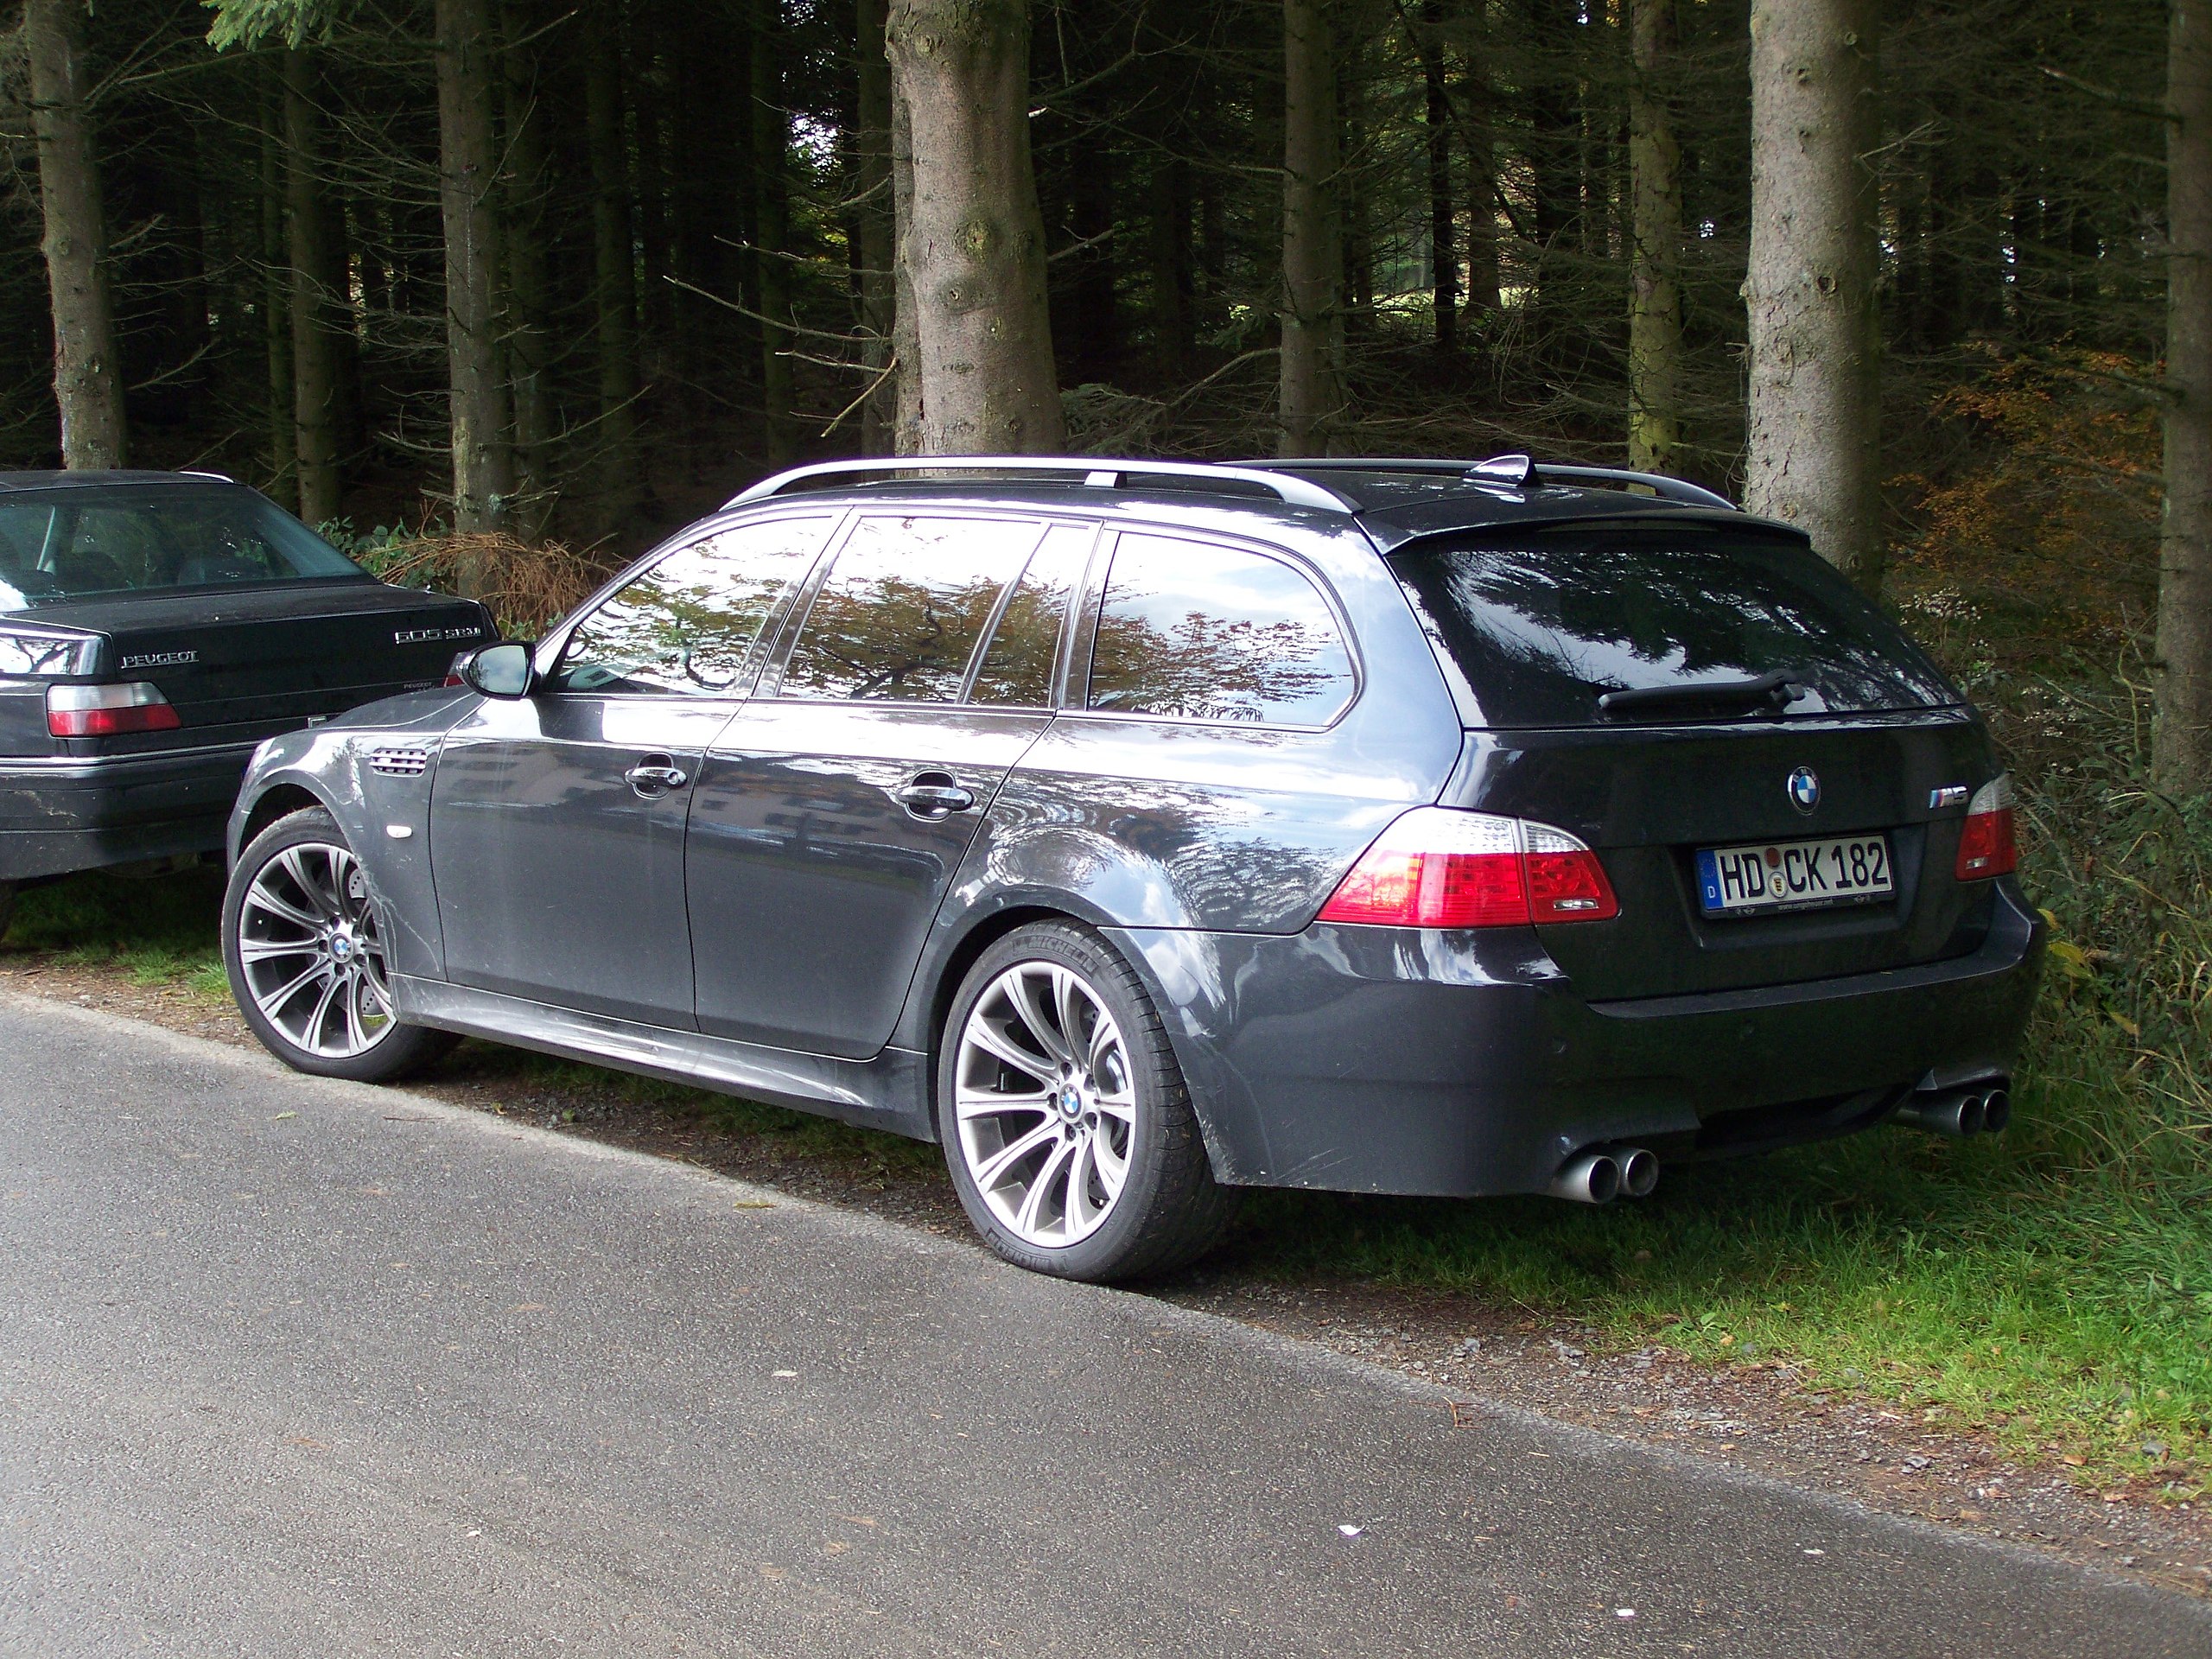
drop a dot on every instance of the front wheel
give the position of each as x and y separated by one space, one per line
305 949
1064 1117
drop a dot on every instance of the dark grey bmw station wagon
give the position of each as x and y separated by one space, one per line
1142 830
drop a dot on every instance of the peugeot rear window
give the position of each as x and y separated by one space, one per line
1534 630
78 544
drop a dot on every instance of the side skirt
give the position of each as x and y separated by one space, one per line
890 1091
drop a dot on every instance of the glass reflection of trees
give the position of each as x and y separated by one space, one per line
1196 632
1017 667
1539 629
688 624
902 610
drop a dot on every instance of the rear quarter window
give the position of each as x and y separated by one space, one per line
1532 631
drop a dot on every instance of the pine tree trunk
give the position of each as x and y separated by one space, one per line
1483 295
1312 256
87 379
483 456
529 284
772 214
1443 205
1173 317
875 247
614 281
1815 400
276 301
2182 669
1655 312
974 247
314 362
907 434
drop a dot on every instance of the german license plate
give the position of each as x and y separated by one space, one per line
1794 875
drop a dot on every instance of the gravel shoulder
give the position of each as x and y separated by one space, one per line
1756 1416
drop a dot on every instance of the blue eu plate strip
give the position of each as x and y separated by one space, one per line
1708 877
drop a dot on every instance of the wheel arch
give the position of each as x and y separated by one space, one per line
279 800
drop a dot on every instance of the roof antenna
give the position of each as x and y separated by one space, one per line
1514 470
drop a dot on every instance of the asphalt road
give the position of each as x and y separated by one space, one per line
301 1369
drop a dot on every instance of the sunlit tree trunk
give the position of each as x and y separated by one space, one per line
1655 311
2182 665
483 456
1312 253
905 331
87 379
974 246
1815 396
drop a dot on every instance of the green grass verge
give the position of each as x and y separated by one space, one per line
2052 1286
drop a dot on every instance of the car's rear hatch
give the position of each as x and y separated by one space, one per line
240 663
1768 706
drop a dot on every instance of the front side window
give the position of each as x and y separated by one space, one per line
1192 630
74 543
688 625
900 614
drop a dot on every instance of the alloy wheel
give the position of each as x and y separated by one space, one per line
1046 1103
313 954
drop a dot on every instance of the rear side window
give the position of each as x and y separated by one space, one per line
903 607
1191 630
1536 630
1017 667
688 625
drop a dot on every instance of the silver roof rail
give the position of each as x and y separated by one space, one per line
1097 473
1517 471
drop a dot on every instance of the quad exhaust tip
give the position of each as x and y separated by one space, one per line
1601 1177
1981 1109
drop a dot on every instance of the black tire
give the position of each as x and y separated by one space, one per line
394 1050
1169 1210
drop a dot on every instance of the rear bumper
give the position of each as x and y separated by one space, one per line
74 813
1457 1064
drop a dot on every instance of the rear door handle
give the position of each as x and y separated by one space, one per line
932 795
655 775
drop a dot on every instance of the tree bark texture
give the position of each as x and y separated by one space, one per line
1307 394
87 379
521 241
2181 665
315 357
276 299
1654 306
771 143
905 331
1443 206
974 245
483 454
1816 401
614 281
877 248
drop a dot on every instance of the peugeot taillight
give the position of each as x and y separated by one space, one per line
1437 867
107 710
1987 843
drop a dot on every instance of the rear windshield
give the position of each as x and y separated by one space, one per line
76 543
1534 630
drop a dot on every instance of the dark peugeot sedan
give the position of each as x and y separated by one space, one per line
1141 831
154 627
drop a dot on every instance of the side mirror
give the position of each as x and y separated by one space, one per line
502 670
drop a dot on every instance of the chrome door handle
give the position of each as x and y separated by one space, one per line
934 795
655 775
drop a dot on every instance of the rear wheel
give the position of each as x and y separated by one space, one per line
305 948
1064 1117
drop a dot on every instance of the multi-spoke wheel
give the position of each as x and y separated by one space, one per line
1066 1120
306 951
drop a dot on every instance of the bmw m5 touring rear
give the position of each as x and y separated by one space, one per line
1141 831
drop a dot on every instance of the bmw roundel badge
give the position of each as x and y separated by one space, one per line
1804 789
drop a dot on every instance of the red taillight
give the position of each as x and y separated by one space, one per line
1987 843
107 710
1439 867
